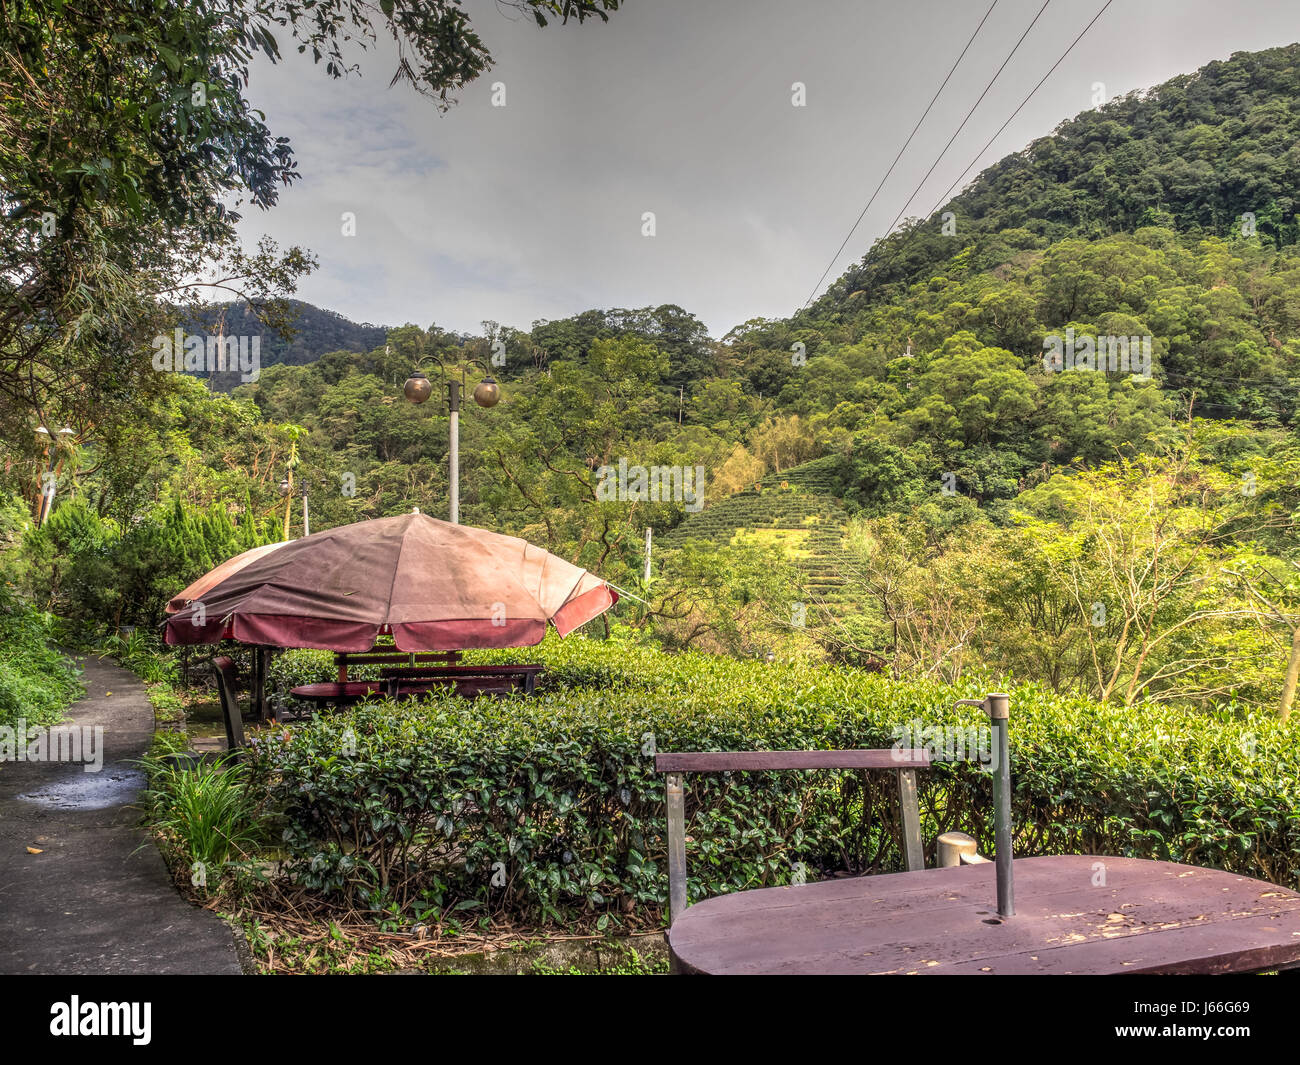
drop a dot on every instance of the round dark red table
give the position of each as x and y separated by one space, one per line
1074 914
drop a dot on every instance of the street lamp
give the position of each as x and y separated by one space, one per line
487 393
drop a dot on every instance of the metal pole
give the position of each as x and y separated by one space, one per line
453 405
648 533
999 716
47 491
47 496
306 517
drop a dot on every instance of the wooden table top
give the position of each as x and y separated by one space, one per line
1147 917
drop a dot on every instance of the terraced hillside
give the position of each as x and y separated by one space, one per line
794 509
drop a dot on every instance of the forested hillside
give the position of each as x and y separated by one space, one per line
1194 154
314 332
1127 533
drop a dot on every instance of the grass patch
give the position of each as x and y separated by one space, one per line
206 821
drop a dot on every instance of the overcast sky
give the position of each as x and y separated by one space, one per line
684 108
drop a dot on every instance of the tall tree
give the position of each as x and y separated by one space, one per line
127 148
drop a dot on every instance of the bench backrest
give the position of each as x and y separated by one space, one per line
385 656
225 671
903 763
465 680
460 671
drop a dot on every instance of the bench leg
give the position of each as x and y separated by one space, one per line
676 846
910 821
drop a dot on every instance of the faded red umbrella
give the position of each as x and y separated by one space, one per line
432 585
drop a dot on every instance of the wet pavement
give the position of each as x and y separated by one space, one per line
89 791
97 898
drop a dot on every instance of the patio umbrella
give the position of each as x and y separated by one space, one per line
433 585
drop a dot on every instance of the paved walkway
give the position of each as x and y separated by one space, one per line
94 901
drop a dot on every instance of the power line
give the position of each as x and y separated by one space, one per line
950 139
939 157
951 71
1004 125
1281 384
1017 111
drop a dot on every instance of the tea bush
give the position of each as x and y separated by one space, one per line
550 806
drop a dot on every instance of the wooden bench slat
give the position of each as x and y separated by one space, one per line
459 671
397 657
730 761
225 672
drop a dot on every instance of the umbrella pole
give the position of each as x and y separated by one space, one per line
258 694
453 473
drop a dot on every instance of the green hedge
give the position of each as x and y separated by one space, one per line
550 806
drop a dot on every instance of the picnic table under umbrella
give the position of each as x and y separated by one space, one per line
430 585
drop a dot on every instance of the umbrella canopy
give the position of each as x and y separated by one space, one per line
218 574
433 585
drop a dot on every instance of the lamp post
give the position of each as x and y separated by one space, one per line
49 479
487 393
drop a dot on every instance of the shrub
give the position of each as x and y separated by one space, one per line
300 666
168 707
550 805
143 653
37 683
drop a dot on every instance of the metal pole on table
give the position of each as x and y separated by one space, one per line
997 706
999 717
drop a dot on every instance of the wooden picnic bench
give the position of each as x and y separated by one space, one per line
468 681
406 675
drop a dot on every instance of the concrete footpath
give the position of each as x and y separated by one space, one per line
95 901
